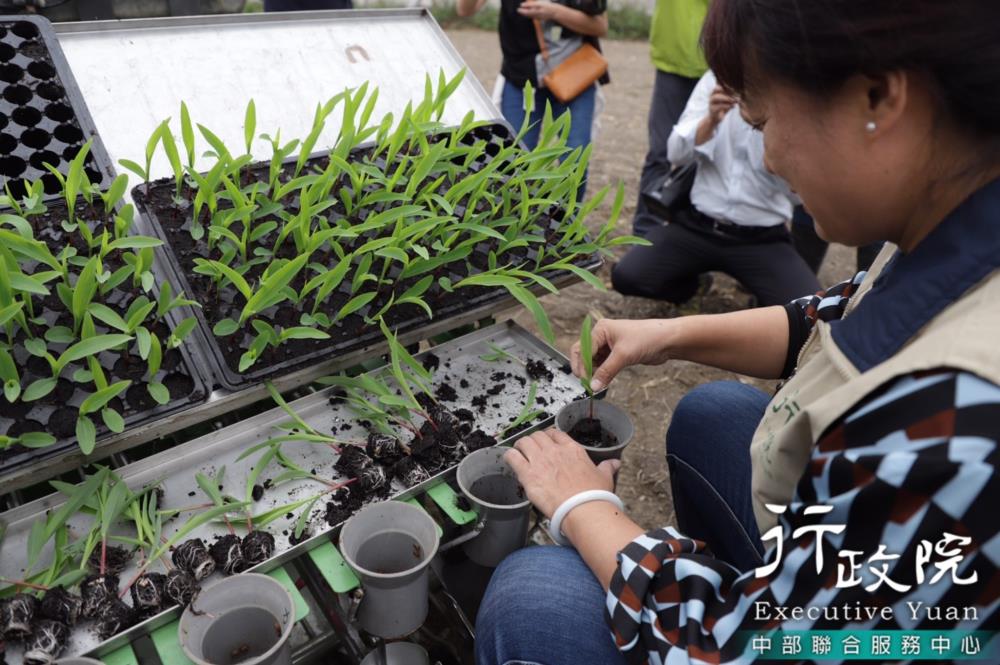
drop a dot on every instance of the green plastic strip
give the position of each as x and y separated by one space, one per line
415 503
334 569
123 656
168 645
281 576
444 496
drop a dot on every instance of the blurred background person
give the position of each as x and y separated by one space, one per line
679 63
737 223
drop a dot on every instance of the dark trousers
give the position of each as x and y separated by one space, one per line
305 5
812 248
670 96
668 270
708 454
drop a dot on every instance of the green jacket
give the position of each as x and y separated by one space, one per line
674 34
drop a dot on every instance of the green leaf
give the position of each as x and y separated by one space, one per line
225 327
38 389
22 282
107 316
182 330
587 354
144 340
528 299
84 289
303 333
272 284
113 420
355 303
158 392
97 400
59 335
36 347
134 168
155 356
90 347
10 311
135 242
86 434
36 439
249 124
11 390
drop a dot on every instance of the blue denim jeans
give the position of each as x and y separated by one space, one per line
708 453
544 606
581 112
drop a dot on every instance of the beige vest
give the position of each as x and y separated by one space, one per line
827 385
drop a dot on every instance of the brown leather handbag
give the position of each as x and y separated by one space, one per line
574 74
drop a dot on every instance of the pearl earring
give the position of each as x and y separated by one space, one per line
870 127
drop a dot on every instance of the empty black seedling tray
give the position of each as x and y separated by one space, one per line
171 223
56 412
43 118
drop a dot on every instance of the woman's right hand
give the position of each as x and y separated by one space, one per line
619 343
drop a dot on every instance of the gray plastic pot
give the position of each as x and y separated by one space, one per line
612 418
490 484
399 653
389 546
246 618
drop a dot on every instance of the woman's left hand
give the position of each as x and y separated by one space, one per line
543 10
552 467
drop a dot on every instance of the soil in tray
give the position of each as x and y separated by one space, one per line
56 413
174 221
589 432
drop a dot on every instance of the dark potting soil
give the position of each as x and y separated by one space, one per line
173 219
114 618
17 616
60 605
478 440
257 492
180 587
227 552
97 591
446 393
410 472
537 369
430 362
47 641
257 546
384 448
588 432
192 557
462 502
149 593
115 559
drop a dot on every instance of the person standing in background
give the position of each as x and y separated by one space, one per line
677 56
305 5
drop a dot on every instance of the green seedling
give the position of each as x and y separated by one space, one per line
528 413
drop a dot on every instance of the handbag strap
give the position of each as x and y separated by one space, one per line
540 35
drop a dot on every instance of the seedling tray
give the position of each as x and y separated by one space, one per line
460 364
56 412
43 118
156 204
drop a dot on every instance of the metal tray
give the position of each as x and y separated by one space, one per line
175 469
43 116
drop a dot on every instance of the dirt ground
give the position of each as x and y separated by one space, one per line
649 394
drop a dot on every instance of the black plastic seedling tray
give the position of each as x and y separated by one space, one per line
43 118
156 203
56 412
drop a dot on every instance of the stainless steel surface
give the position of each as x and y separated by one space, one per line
135 73
175 469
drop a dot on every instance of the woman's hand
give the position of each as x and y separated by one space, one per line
543 10
619 343
552 467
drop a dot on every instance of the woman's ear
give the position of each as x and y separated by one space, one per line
886 96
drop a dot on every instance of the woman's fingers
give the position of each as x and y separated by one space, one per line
575 362
516 460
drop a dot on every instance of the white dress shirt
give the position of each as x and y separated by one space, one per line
731 183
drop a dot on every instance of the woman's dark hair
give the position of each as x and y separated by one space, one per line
817 45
